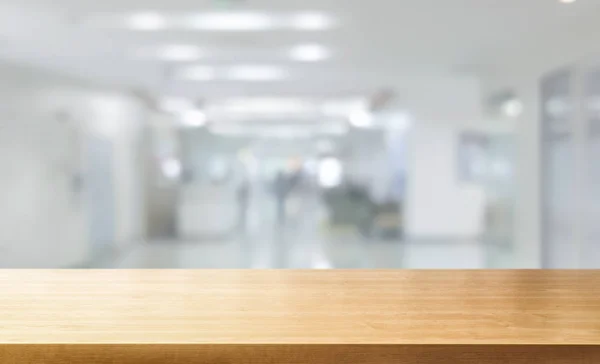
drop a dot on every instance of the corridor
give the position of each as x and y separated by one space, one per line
317 134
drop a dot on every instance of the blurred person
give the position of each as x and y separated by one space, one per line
282 189
243 202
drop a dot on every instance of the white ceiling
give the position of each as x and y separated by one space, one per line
375 44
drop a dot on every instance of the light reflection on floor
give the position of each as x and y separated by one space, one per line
307 254
304 243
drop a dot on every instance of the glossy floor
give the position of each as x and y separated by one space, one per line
311 253
305 242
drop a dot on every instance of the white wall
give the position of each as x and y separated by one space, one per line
124 116
40 222
438 204
43 122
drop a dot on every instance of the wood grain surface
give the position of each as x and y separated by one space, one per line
297 354
300 307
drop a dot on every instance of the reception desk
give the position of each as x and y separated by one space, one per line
299 317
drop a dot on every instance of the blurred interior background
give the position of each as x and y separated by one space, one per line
300 134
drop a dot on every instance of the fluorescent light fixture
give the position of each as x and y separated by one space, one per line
567 1
361 119
148 21
344 107
311 21
197 73
235 73
193 118
180 53
333 114
219 21
230 21
175 104
309 53
255 73
263 105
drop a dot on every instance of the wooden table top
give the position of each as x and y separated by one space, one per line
299 307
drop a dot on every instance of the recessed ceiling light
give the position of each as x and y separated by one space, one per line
312 21
231 22
148 21
255 73
193 118
180 53
309 53
263 105
344 107
198 73
512 108
567 1
361 119
175 104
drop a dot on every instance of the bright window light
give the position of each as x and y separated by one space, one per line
321 262
180 53
361 119
148 21
255 73
309 53
175 104
171 168
198 73
311 21
512 108
193 118
231 22
558 107
330 173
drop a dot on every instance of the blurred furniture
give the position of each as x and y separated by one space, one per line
299 317
349 206
387 223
